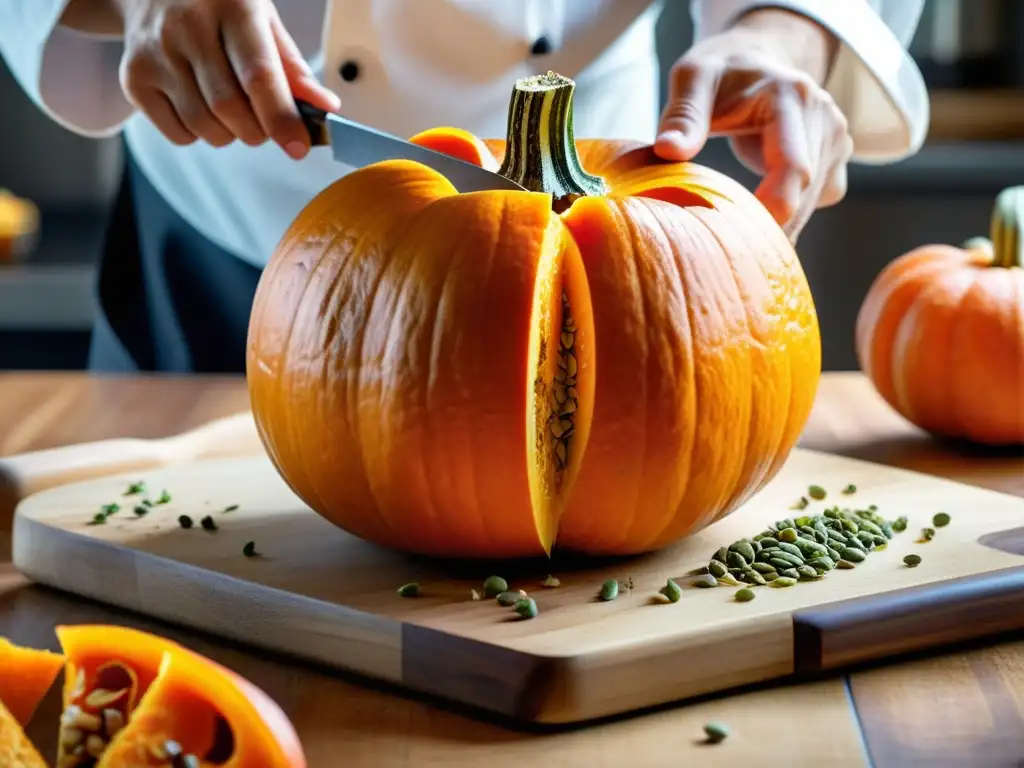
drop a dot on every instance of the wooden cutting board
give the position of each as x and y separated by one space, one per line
317 593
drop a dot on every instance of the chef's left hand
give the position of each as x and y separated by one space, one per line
759 83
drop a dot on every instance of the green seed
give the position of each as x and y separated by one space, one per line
900 524
736 560
853 554
745 595
753 577
98 519
800 503
721 555
927 534
851 525
851 488
745 549
494 586
716 732
912 561
610 590
184 521
208 524
791 549
717 569
527 608
790 573
164 498
507 598
141 511
845 565
816 492
249 550
783 581
808 572
762 567
135 489
727 579
705 581
834 553
769 541
822 561
787 536
941 520
672 591
880 542
411 589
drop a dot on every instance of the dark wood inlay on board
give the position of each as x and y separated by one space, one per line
918 618
1011 542
491 677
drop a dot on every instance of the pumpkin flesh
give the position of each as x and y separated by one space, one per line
696 349
26 674
131 698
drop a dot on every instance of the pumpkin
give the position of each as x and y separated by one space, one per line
26 674
19 226
132 698
614 358
940 333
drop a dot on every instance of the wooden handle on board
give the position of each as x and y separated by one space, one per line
26 474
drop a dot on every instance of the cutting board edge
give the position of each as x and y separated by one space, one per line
386 666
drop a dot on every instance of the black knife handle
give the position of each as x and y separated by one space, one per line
315 120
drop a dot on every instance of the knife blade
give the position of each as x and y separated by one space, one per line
359 145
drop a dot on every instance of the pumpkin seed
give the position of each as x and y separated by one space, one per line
853 555
717 569
71 737
816 492
783 581
845 564
744 549
807 572
900 524
705 581
927 534
716 732
745 595
941 520
551 582
508 598
768 541
94 745
753 577
494 586
527 608
610 590
851 488
100 698
736 560
912 561
762 567
671 591
790 573
409 590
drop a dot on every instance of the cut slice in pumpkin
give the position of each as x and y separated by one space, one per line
26 674
134 699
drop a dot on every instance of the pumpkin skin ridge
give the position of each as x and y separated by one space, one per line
892 291
1000 425
418 186
920 315
764 439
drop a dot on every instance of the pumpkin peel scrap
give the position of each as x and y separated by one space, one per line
26 674
605 363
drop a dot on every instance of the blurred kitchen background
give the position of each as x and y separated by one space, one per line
972 55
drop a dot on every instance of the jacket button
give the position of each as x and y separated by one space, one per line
541 46
349 71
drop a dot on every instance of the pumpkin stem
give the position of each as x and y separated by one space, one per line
541 148
1007 222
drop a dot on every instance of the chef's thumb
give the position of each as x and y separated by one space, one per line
685 121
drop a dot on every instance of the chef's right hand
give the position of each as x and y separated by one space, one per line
216 71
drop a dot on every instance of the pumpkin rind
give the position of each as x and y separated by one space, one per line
940 333
26 674
698 349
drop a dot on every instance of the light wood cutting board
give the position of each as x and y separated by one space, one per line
319 594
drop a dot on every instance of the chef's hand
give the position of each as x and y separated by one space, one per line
216 71
759 83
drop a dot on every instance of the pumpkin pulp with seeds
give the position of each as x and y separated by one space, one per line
610 360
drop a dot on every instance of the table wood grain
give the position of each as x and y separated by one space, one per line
963 707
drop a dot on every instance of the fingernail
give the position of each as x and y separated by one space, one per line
295 149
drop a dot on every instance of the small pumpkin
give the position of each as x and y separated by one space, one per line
26 674
614 358
133 698
940 333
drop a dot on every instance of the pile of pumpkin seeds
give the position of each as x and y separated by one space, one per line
565 394
804 548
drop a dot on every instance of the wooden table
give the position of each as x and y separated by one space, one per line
961 708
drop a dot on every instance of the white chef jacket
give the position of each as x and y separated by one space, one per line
425 63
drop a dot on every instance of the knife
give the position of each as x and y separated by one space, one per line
359 145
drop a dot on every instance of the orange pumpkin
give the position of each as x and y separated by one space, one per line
26 674
615 358
132 698
941 333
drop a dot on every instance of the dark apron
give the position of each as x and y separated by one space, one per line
169 299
